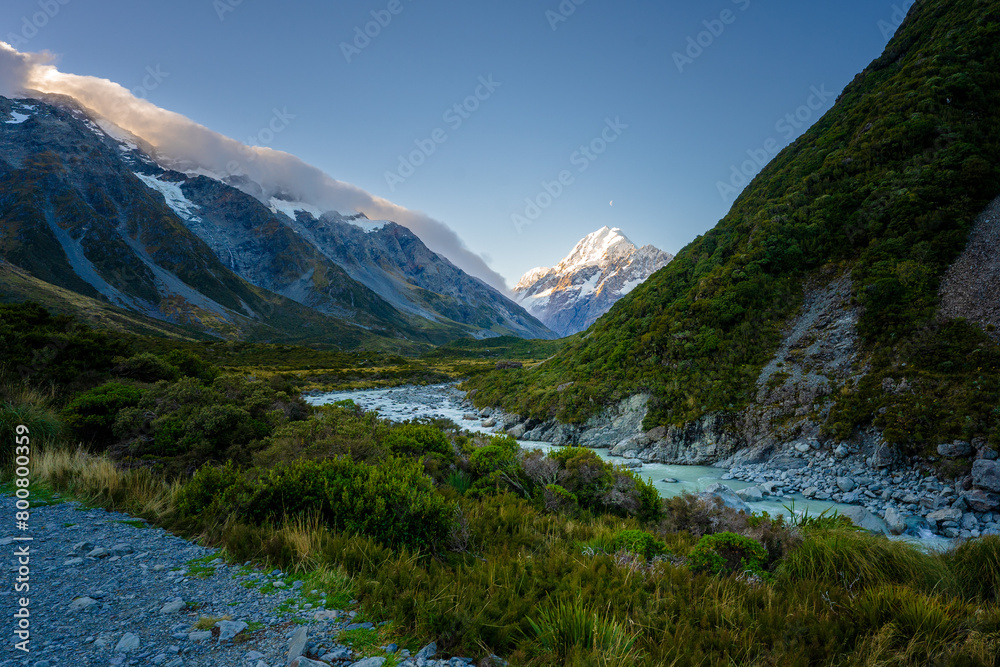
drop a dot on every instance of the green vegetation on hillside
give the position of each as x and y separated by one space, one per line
886 185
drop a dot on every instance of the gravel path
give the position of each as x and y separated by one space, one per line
106 589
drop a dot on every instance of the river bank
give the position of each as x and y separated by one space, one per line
905 502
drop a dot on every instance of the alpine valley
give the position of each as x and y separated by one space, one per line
238 428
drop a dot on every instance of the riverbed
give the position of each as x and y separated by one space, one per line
447 401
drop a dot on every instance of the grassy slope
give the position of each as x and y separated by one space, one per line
887 185
17 286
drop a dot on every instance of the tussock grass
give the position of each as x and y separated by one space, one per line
28 406
97 480
976 568
568 627
208 622
856 560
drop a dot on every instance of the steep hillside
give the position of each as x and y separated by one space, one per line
885 188
601 269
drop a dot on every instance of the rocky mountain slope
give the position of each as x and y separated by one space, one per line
91 212
395 263
971 286
602 268
847 299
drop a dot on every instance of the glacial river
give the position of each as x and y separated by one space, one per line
414 402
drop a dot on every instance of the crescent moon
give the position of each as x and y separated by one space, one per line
612 203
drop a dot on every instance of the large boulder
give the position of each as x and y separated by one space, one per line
987 453
943 515
978 500
726 496
884 456
953 450
751 494
846 484
516 432
895 521
986 474
862 518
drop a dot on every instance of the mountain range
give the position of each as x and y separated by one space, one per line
85 207
602 268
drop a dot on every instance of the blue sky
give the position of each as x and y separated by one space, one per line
661 130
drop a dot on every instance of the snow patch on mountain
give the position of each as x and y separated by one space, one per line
292 208
368 225
172 192
602 268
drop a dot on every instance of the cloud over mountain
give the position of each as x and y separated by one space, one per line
179 141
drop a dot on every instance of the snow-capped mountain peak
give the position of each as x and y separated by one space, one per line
602 268
597 249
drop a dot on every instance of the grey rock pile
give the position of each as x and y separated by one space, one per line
909 499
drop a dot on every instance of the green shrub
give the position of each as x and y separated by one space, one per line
331 432
146 367
497 468
91 415
638 542
191 365
393 502
212 489
188 423
418 439
727 553
645 496
396 504
558 499
57 351
492 458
